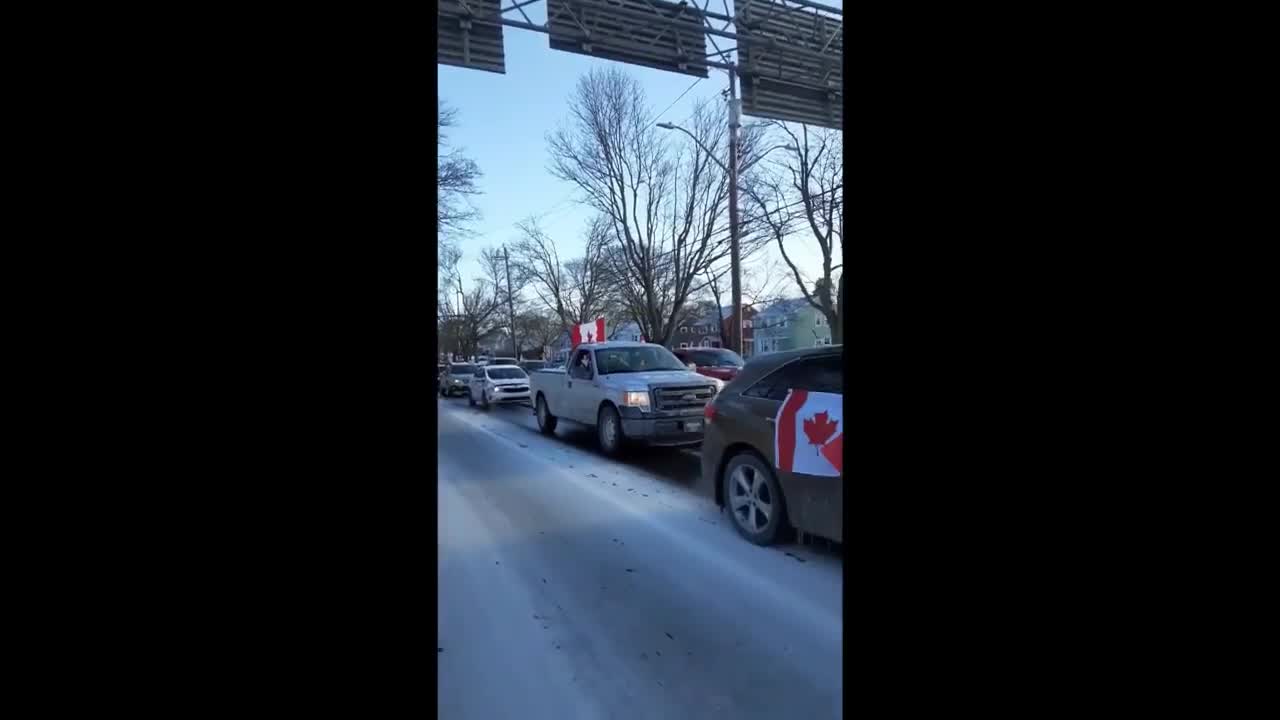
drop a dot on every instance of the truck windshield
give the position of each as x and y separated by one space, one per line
512 373
635 359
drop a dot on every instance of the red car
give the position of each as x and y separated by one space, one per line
718 363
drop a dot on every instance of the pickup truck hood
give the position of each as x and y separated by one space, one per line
512 381
660 377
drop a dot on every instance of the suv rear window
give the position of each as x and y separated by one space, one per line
816 374
462 370
506 373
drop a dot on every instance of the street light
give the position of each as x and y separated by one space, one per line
732 171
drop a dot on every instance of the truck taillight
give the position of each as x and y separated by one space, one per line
709 412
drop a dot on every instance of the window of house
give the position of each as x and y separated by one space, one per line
822 320
684 346
746 324
684 328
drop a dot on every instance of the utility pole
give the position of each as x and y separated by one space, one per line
511 304
461 314
735 110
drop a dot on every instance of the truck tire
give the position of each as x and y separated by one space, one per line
484 399
546 421
609 430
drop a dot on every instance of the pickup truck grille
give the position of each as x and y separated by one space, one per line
689 397
513 388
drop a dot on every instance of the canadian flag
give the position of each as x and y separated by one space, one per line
808 436
587 332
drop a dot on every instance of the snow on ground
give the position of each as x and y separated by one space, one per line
572 585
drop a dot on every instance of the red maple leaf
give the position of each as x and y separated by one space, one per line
819 430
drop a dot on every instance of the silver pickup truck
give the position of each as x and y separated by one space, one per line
627 391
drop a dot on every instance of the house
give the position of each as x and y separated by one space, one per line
704 329
790 325
494 342
700 327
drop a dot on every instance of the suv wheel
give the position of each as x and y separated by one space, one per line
609 430
546 421
754 499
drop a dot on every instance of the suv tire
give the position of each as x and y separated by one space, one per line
752 494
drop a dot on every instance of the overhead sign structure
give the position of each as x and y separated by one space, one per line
790 52
791 61
662 35
469 35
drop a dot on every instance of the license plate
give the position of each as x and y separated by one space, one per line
693 426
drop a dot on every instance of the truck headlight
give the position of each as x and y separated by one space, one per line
636 399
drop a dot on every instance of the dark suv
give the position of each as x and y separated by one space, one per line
738 457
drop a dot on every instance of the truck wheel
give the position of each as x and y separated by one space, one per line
546 421
609 430
484 399
754 499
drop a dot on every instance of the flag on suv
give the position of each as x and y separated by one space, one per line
809 434
588 332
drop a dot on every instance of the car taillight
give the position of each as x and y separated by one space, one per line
709 412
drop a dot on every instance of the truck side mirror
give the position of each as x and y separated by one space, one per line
692 367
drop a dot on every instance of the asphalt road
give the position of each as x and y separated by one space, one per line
572 585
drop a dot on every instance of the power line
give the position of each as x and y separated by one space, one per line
673 102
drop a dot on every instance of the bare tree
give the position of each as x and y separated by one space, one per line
800 198
466 317
664 199
538 330
760 286
576 290
456 182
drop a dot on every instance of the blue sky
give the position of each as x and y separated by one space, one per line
503 121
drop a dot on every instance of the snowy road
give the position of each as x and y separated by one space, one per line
576 586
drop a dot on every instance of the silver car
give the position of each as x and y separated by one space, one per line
456 380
